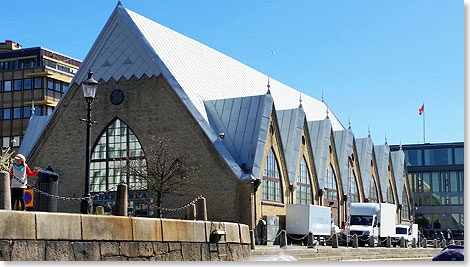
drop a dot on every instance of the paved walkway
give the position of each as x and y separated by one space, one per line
325 253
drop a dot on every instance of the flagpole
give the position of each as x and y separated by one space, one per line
424 126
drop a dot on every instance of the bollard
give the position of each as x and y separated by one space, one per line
355 243
191 212
283 239
99 210
443 243
434 243
310 242
402 242
5 196
425 243
413 242
388 242
371 242
201 209
120 207
252 239
334 241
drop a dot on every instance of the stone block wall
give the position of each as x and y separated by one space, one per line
41 236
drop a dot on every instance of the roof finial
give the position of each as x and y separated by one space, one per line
349 123
386 138
269 91
368 130
327 112
401 147
119 3
300 100
322 100
33 109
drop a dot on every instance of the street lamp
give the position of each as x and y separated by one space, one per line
89 87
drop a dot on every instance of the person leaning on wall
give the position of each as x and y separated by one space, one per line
19 174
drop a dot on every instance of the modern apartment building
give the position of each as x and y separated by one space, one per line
32 80
436 178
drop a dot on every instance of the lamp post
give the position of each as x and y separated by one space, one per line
89 87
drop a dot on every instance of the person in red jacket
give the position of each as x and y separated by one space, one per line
19 174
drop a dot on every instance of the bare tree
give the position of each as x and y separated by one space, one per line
6 159
162 171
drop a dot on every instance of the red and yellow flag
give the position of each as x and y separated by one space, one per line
421 110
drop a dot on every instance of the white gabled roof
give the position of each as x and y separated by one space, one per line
200 71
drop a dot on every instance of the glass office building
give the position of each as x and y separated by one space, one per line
436 178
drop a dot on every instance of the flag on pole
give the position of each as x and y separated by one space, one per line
421 110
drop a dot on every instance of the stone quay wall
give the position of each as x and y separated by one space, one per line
44 236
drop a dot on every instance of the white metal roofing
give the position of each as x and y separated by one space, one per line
365 147
320 132
35 127
244 122
291 124
344 148
202 72
382 156
398 163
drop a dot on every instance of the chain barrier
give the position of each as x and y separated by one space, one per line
62 197
165 209
296 239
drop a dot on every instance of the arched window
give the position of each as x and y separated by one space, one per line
353 187
116 148
389 193
405 210
330 184
271 179
373 197
304 190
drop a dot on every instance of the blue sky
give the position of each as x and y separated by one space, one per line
376 62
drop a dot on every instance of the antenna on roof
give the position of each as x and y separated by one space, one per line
300 100
32 109
269 91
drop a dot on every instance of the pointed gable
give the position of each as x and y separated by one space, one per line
398 163
365 147
382 156
291 124
244 122
344 148
117 52
319 132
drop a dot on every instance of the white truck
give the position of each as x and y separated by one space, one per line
408 231
375 220
304 218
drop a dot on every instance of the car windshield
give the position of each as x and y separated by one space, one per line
361 220
401 231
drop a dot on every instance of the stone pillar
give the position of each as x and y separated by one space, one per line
435 243
252 239
283 239
5 196
425 243
99 210
371 241
355 242
310 240
191 212
402 242
334 241
413 242
388 242
201 209
443 243
120 207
